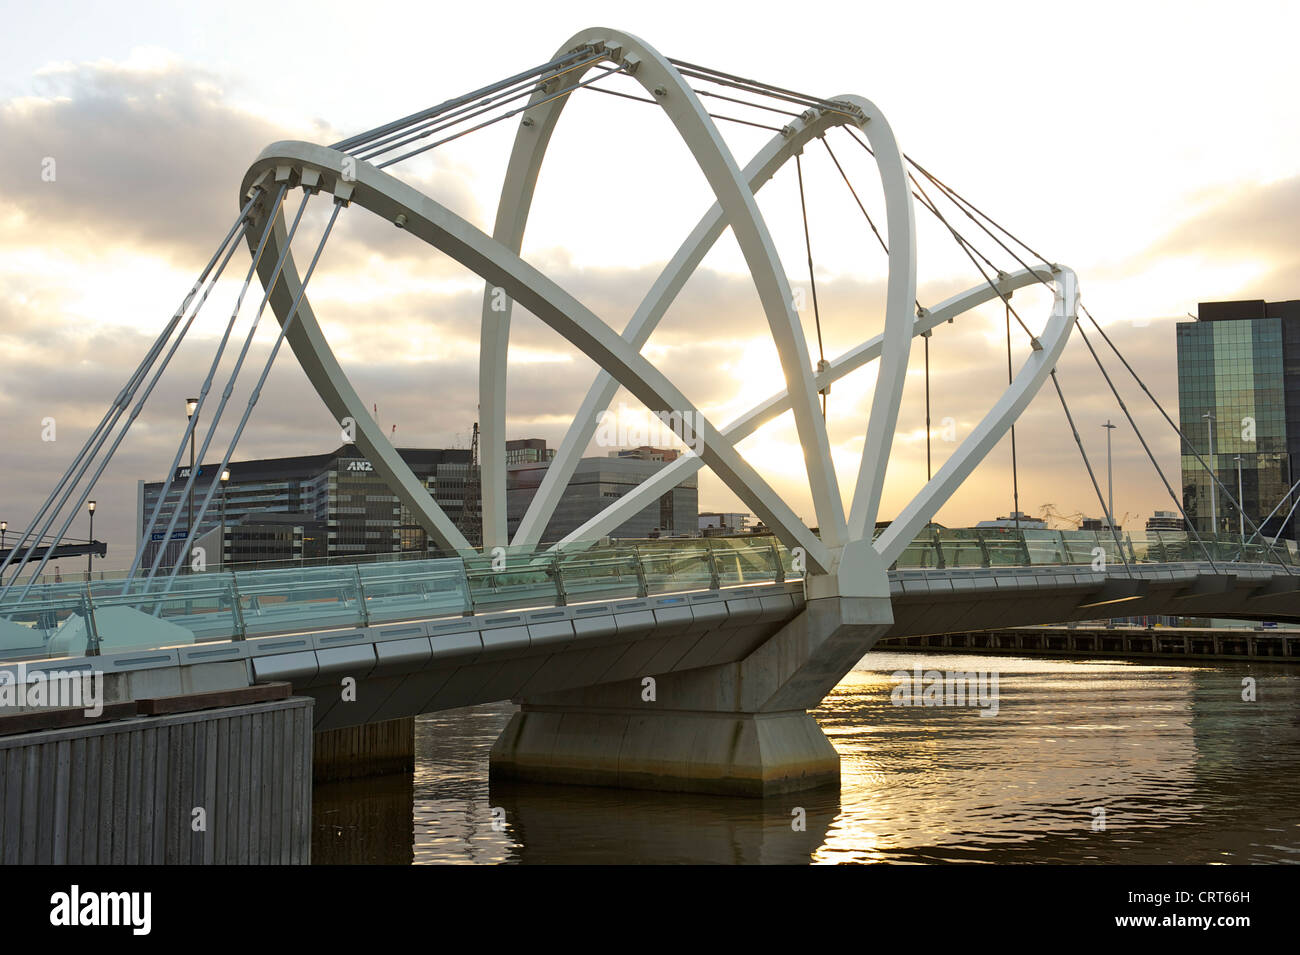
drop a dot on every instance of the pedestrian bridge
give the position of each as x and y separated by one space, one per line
580 630
687 665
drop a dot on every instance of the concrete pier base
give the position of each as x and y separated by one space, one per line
618 828
372 749
736 728
742 754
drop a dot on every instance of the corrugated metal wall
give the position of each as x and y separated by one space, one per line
125 792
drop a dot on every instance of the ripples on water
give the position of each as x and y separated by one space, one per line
1185 771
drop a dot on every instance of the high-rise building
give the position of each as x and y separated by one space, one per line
599 482
1239 390
527 451
336 502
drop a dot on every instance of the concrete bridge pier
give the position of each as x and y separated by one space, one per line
739 728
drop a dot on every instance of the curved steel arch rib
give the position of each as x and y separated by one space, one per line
428 220
735 195
771 158
773 407
922 508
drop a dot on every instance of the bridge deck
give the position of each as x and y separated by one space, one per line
427 635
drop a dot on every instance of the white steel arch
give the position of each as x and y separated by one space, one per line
679 102
496 259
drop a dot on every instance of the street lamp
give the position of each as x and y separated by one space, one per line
4 526
1110 483
191 406
1241 502
1214 515
90 506
225 480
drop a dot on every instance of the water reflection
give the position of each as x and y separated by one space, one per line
1184 770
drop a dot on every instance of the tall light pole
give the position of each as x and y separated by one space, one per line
191 405
225 480
1110 483
1241 502
4 526
90 506
1214 516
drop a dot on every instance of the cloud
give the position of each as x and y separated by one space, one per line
148 159
150 155
1253 224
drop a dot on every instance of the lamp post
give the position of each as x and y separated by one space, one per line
225 480
4 526
1241 502
1110 482
90 506
1214 516
191 406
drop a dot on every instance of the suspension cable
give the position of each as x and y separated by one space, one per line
865 213
1133 424
745 102
96 440
977 211
812 279
352 142
192 422
1177 430
1285 497
1015 475
646 99
763 89
464 114
925 337
514 112
135 412
854 193
257 389
1285 521
967 247
1092 477
949 194
230 383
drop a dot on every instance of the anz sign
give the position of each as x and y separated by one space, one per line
359 466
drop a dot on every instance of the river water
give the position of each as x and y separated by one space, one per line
1084 762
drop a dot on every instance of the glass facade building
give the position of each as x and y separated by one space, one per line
341 505
1239 363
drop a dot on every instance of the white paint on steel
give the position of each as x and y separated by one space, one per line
922 508
736 199
430 221
496 259
679 470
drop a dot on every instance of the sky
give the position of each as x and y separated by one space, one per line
1153 148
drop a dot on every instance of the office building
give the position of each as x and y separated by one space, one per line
528 451
599 482
1239 405
323 505
1165 521
723 523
